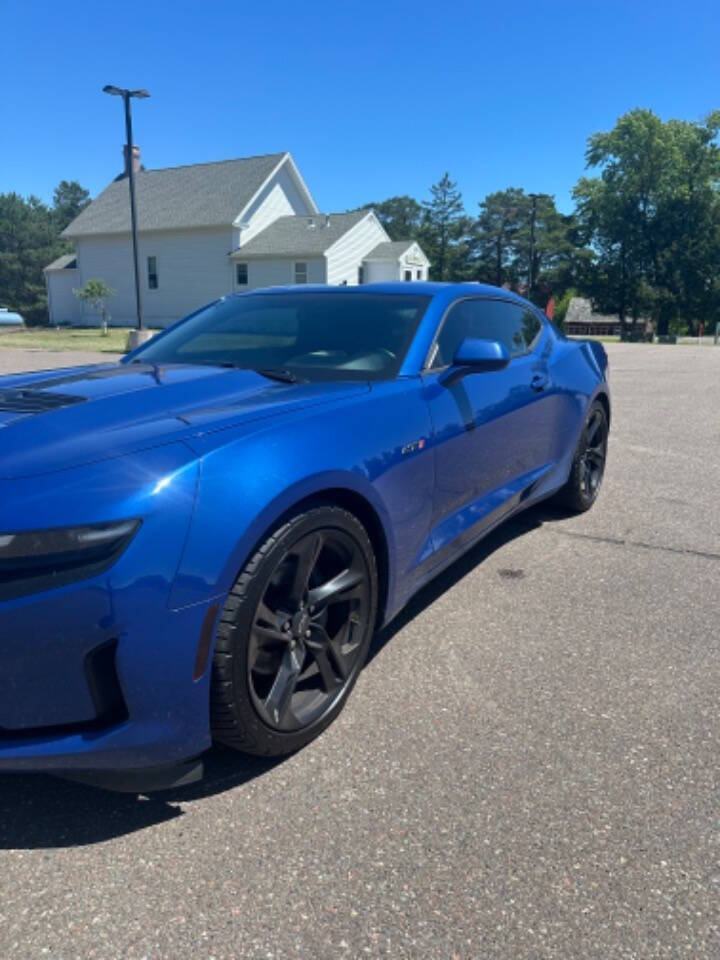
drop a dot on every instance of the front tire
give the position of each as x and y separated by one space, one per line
294 633
588 466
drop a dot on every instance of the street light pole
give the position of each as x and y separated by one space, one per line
129 159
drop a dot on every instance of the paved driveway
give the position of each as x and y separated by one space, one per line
528 767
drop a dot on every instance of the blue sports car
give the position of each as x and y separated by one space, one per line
198 542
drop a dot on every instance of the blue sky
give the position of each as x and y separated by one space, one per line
372 99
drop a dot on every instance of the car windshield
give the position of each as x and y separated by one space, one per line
310 336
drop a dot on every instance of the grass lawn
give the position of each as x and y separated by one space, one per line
65 338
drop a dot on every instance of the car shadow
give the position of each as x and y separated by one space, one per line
38 811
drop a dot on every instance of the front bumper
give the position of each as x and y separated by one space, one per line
162 716
102 674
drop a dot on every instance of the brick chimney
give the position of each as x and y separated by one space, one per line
135 160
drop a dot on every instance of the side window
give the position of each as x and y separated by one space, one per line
531 327
515 327
461 322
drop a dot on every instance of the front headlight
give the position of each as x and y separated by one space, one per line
37 560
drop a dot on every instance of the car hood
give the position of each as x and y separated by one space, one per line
57 419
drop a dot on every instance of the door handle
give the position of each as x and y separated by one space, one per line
539 381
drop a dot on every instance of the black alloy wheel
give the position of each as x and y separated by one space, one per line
306 636
294 634
595 452
588 466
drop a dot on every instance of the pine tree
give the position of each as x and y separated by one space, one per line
444 231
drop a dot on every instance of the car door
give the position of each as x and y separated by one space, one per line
492 430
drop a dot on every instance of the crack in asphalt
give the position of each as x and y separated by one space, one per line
623 542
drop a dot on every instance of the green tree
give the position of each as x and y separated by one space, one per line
559 255
69 199
400 216
445 231
502 234
503 217
96 294
653 220
28 242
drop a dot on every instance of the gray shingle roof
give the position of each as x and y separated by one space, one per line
580 311
390 250
66 261
295 236
200 195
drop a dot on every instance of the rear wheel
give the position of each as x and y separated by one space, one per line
294 633
588 466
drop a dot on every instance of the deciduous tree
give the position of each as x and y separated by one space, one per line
652 217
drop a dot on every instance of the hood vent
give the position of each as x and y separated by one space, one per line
34 401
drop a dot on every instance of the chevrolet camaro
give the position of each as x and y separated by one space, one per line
197 542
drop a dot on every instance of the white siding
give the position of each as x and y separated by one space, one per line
346 255
381 271
267 272
63 305
192 265
280 197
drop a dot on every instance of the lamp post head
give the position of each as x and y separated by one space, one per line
120 92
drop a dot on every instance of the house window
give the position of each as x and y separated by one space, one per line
408 275
152 273
241 274
419 274
300 273
361 274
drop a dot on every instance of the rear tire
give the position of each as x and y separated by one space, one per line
294 633
588 466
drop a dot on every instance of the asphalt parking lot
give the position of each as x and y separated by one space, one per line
528 767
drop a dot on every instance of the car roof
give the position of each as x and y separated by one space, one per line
417 287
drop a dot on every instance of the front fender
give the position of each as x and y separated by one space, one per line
223 537
248 483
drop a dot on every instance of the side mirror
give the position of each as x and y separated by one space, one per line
481 356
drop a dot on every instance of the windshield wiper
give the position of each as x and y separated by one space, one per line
278 373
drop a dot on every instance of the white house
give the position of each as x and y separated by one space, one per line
212 228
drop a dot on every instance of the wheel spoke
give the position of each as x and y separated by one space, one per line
268 625
267 616
269 633
341 586
339 658
307 554
592 428
277 702
586 480
318 650
595 456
